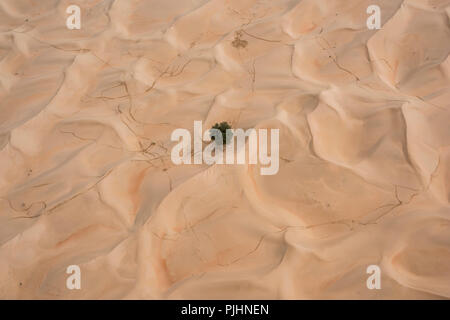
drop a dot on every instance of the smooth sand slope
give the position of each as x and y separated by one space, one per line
86 176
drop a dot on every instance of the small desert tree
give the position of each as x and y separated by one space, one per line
222 127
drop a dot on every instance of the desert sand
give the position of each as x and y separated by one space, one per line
86 176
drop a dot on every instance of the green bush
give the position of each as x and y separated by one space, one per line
222 127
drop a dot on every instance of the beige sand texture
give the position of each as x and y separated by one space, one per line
86 176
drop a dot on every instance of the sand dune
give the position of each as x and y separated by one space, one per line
86 176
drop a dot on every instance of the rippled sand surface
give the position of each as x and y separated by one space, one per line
86 176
